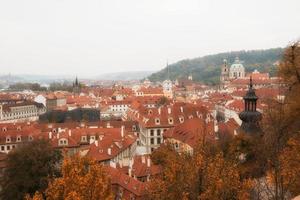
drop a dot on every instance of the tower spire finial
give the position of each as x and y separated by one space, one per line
251 84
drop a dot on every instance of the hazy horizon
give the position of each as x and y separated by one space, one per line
95 37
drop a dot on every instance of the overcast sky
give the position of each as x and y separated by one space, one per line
90 37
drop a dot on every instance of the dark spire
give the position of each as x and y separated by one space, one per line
76 81
250 116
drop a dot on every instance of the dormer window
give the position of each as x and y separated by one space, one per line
19 128
92 138
18 138
134 128
150 112
8 140
191 117
63 142
170 120
181 119
157 121
4 129
84 138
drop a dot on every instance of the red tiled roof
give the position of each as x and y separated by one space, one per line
191 131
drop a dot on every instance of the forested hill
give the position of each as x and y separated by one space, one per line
207 68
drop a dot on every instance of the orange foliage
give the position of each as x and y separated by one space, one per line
82 179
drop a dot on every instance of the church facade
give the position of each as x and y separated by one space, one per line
235 71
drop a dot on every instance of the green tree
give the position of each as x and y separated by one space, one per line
29 168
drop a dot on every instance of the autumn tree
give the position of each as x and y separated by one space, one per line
29 167
82 179
290 159
205 174
280 124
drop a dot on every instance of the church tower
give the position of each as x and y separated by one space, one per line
224 78
76 87
250 116
168 85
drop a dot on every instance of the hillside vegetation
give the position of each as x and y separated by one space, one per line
207 68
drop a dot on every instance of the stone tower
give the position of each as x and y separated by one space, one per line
250 116
224 78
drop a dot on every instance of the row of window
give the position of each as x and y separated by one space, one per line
158 141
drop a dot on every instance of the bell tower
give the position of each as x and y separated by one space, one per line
224 78
250 116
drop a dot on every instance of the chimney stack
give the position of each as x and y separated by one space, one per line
143 159
50 135
109 151
169 110
122 131
181 109
148 162
159 110
70 132
96 143
216 128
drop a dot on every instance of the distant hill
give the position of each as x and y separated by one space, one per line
125 76
207 68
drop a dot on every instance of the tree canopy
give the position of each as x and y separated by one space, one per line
29 168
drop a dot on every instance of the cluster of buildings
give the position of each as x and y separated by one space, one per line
136 120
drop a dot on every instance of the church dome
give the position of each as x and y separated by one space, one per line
237 65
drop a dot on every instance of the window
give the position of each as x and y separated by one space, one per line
30 138
181 119
170 120
2 148
63 142
7 139
158 132
7 148
152 140
152 149
83 138
151 132
92 137
157 121
158 140
19 138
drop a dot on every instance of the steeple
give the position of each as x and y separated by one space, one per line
250 116
76 87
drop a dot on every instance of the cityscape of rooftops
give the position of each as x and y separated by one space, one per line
150 100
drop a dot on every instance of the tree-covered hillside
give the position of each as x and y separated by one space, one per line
207 68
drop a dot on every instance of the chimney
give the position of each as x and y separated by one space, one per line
50 135
109 151
96 143
148 162
143 159
122 131
159 110
216 128
70 132
129 171
169 110
107 125
181 109
57 135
